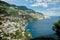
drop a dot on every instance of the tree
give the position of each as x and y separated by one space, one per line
56 28
0 23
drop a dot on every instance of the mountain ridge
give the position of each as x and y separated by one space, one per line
14 19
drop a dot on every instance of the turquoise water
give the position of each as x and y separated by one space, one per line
42 27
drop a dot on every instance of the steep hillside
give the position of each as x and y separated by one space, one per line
14 19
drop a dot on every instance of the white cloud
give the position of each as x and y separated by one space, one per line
44 3
26 0
51 13
49 0
56 1
36 4
29 1
52 9
40 4
38 0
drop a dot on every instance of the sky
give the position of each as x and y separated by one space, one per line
47 7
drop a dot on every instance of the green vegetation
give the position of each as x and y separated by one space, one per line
14 19
56 28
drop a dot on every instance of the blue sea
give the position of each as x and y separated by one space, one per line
42 27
